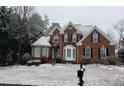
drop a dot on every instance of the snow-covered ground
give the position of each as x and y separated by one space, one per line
62 75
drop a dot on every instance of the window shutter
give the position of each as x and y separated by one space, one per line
91 52
107 52
71 38
62 38
99 52
68 38
78 37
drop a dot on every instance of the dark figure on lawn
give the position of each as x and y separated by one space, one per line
80 74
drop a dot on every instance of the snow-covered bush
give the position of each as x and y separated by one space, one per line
85 60
30 62
111 60
25 58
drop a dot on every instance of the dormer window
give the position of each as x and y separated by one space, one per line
74 37
95 38
65 37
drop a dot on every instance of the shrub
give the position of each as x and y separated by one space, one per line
25 58
98 61
111 60
33 62
85 60
106 62
58 59
43 60
30 62
121 53
121 60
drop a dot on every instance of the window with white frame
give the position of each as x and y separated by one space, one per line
95 38
64 53
74 37
88 52
45 52
69 52
65 37
37 52
103 53
74 53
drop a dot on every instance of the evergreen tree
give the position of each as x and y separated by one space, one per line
38 26
19 27
4 33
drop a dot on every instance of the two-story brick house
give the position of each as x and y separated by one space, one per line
74 41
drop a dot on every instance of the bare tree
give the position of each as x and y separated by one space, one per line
119 27
24 11
111 35
22 24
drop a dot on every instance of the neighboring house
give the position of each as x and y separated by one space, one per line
74 41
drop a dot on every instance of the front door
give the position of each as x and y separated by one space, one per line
55 51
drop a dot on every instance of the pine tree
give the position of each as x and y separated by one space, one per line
4 33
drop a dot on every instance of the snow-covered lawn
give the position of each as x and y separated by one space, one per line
62 75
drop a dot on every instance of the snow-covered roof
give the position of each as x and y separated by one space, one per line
85 30
90 31
47 38
82 29
43 41
56 27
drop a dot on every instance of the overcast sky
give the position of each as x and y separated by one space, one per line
102 16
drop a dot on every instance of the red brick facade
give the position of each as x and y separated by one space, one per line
71 43
95 47
87 42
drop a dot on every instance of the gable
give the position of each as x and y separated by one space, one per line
88 37
70 30
54 30
101 38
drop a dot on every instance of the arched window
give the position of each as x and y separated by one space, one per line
69 52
